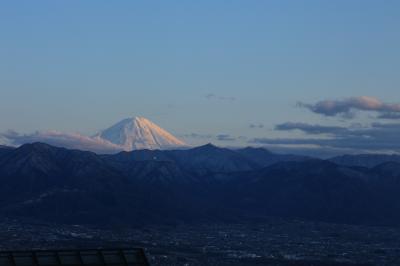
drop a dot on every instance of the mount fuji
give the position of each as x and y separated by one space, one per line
139 133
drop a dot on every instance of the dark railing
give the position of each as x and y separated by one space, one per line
87 257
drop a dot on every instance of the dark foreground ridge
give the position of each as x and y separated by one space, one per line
203 184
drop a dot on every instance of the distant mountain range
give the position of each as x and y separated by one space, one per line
205 183
4 149
365 160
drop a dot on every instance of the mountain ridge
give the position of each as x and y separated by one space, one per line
204 183
365 160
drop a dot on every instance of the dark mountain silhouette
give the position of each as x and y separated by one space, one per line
4 150
265 158
69 185
201 184
6 147
200 161
365 160
41 179
313 189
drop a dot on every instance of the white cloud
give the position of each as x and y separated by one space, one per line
377 137
60 139
212 96
345 107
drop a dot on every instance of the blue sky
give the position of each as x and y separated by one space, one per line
83 65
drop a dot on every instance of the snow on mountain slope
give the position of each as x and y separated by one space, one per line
139 133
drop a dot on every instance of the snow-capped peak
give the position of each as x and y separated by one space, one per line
139 133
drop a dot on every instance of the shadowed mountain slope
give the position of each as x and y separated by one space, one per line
265 158
202 184
365 160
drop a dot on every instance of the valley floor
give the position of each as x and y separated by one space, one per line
276 242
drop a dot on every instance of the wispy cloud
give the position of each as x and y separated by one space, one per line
197 136
376 137
346 107
212 96
311 129
67 140
225 137
356 138
389 115
211 137
255 126
4 141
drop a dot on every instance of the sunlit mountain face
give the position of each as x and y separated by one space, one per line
139 133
